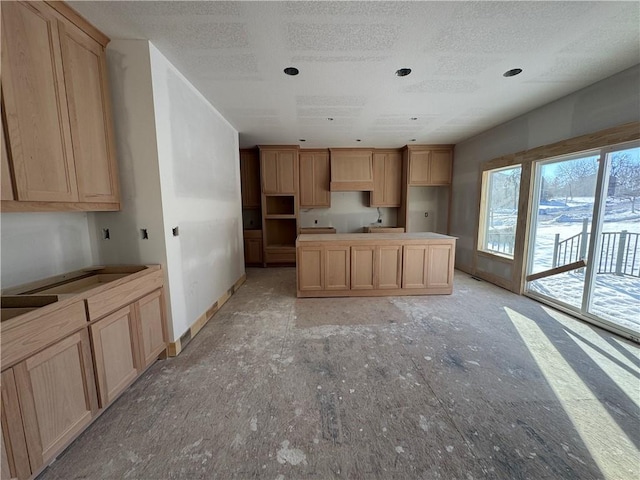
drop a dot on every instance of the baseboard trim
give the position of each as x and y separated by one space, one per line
176 347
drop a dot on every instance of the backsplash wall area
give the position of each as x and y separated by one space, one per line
349 212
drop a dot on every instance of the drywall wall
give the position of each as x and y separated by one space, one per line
434 201
199 165
349 212
608 103
129 68
134 125
39 245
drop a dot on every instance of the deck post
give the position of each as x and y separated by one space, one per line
622 243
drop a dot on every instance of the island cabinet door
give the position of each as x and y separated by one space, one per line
337 268
310 269
113 348
362 259
414 271
439 266
57 396
388 267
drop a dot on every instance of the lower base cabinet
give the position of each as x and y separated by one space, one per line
150 327
114 354
51 394
15 459
126 342
57 394
427 266
376 267
324 268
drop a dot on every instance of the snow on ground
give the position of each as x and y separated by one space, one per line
615 298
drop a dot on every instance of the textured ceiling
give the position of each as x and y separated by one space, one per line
347 53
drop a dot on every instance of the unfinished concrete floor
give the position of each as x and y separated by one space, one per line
479 384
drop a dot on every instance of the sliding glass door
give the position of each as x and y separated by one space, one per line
614 295
584 245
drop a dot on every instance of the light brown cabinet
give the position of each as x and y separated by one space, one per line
429 166
314 179
387 179
325 268
70 345
362 267
57 112
428 266
279 170
150 328
372 265
252 247
337 267
250 178
351 169
85 73
114 352
56 389
15 459
279 175
376 267
312 276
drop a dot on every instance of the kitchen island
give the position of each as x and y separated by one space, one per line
385 264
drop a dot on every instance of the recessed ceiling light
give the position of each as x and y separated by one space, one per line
291 71
330 119
403 72
413 118
302 140
512 73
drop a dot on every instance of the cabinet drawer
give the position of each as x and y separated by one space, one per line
114 298
280 256
29 336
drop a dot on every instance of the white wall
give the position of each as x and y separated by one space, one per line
349 212
39 245
611 102
198 154
132 105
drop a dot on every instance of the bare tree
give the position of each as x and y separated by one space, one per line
572 176
624 178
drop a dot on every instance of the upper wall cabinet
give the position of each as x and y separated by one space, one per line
429 166
314 179
387 179
56 111
351 170
250 178
279 169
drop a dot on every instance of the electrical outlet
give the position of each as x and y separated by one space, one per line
105 234
144 233
315 222
379 220
175 231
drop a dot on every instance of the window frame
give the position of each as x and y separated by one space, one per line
486 183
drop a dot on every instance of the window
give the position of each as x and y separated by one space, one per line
499 210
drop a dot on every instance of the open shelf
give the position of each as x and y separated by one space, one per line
280 232
279 205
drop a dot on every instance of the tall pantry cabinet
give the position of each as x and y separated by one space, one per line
279 180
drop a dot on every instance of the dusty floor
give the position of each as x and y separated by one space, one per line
480 384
